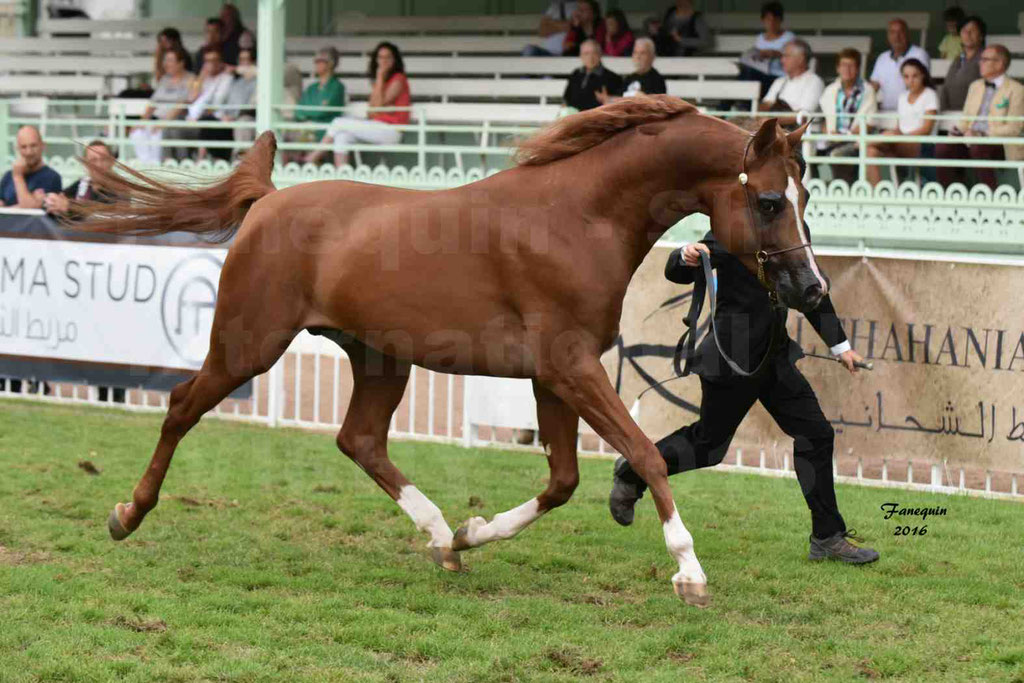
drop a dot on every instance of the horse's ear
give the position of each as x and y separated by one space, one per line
794 138
765 136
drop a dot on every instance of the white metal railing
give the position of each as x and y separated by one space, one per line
308 389
431 125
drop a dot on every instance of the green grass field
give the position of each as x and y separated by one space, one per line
272 557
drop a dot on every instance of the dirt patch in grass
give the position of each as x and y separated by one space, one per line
140 625
87 467
680 656
572 660
865 670
12 558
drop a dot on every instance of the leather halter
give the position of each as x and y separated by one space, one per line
762 255
687 344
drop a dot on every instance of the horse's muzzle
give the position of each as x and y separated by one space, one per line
800 291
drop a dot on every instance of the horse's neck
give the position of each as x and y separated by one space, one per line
650 197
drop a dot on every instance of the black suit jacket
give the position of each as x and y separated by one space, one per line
744 317
580 89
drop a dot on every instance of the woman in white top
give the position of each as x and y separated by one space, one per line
920 100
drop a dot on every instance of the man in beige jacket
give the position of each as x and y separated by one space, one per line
992 97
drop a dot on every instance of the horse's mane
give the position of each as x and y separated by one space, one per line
574 134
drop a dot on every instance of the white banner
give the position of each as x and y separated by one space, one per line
126 304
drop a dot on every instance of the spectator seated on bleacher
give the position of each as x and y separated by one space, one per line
240 104
585 24
618 38
589 79
763 62
26 184
209 91
552 30
798 89
213 39
168 39
98 158
645 80
168 103
234 34
951 46
917 101
964 69
993 96
845 98
682 31
325 91
887 76
390 89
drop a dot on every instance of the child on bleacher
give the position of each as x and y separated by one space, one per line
951 47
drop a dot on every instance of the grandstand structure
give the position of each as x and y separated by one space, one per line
473 96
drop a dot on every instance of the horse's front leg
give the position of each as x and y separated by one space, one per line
558 427
584 386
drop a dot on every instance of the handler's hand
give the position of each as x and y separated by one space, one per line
848 358
691 253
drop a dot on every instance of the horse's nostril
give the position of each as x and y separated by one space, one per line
813 292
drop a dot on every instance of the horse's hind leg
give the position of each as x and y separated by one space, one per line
558 429
235 356
378 386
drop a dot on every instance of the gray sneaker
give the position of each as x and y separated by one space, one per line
837 547
627 489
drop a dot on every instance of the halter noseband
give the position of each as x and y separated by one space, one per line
761 255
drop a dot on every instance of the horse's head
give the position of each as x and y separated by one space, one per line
761 219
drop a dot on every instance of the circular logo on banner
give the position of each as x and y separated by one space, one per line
187 305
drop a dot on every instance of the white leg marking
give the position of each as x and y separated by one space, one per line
680 546
793 195
504 525
426 516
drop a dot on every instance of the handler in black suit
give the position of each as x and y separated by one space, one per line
744 318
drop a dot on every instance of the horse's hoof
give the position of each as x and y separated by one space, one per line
461 540
118 532
693 593
447 559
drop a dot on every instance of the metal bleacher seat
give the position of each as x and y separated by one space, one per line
76 85
526 24
545 91
76 46
560 67
1012 41
941 66
478 44
99 28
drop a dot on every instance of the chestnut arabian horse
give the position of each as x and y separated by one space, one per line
521 274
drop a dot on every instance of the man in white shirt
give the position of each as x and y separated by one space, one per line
799 89
886 78
214 84
553 26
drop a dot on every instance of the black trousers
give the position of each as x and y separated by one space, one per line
790 400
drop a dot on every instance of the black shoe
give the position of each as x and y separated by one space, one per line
837 547
627 489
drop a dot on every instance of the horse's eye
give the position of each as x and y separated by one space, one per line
769 206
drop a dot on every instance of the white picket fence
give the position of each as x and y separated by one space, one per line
310 386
